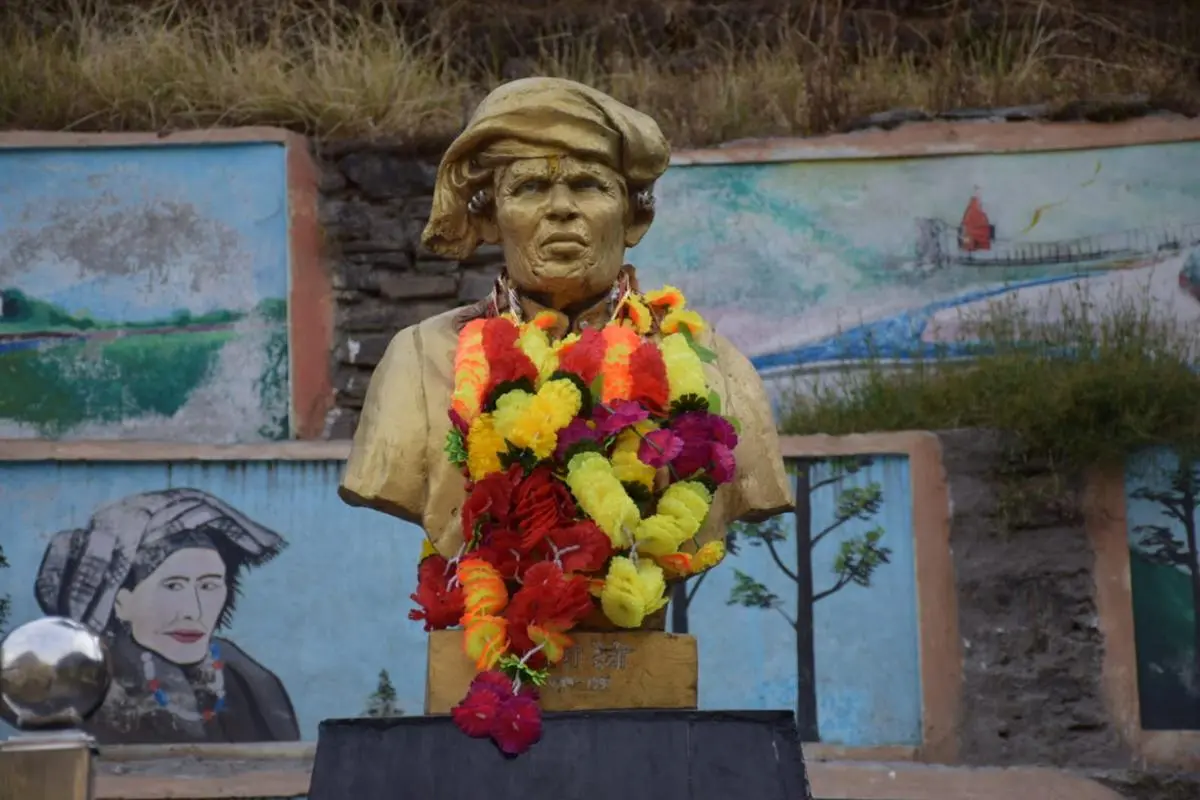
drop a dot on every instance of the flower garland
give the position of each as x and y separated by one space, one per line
590 464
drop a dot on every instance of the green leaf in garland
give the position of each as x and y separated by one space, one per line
736 423
714 402
687 403
520 456
456 448
642 497
503 388
582 446
597 389
705 355
512 666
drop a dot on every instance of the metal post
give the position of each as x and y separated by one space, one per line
54 674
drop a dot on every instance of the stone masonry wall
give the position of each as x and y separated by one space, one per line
375 199
1032 647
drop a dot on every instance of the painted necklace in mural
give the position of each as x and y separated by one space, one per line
217 686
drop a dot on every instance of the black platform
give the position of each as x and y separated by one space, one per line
609 755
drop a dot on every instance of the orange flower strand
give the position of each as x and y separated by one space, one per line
668 298
484 593
676 565
619 343
470 371
637 313
485 640
545 320
680 319
554 644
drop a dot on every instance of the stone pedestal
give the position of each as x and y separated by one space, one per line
601 671
56 765
605 755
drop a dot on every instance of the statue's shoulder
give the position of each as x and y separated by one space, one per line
432 337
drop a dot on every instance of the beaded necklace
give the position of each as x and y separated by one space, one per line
216 686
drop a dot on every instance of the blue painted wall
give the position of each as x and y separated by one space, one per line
330 611
1162 504
143 292
866 644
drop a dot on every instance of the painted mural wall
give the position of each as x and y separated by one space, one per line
246 602
1162 512
143 293
807 266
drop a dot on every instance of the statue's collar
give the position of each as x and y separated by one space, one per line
596 315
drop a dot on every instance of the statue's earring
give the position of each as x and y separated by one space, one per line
480 203
644 200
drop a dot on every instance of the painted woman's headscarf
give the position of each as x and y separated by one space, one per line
83 569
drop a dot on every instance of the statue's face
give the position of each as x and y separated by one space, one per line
563 226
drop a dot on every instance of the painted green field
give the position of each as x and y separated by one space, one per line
57 389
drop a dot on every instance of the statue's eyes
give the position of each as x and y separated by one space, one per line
532 186
586 184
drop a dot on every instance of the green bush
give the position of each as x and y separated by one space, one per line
1089 387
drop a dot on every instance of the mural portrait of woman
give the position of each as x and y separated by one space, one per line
156 574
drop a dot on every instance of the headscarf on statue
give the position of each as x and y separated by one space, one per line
537 118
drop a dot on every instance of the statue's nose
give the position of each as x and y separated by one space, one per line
562 204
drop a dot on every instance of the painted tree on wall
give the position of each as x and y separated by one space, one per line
1178 498
856 561
382 702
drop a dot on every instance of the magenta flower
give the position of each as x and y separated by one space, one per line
458 422
491 708
702 434
723 467
518 725
703 425
659 447
577 431
618 416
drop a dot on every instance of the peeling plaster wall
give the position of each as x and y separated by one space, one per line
143 293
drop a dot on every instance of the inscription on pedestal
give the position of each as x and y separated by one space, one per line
640 669
606 658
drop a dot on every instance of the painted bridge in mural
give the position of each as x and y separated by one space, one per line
906 336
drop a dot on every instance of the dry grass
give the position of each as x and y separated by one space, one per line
341 70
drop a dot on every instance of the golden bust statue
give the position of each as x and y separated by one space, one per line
560 176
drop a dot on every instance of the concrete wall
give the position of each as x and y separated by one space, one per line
315 624
814 253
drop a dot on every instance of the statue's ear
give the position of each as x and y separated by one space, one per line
640 215
485 224
636 230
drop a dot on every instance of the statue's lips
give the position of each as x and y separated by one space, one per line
565 238
186 637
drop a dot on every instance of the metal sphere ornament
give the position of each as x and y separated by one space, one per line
54 673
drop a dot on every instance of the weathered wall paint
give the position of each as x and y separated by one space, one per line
145 292
807 266
868 687
1163 510
328 613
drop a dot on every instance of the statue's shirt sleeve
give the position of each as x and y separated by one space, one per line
762 487
387 469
